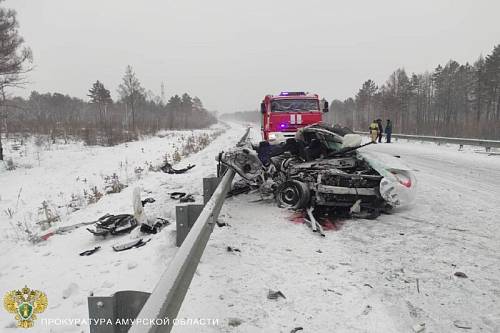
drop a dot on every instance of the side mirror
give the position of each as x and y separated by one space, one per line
325 107
262 107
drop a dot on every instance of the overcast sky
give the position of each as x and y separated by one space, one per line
231 53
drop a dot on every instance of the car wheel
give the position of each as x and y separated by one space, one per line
293 194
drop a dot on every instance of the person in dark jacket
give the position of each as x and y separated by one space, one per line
380 130
388 131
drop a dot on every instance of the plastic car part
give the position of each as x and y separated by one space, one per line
136 243
177 195
155 227
114 224
147 200
167 168
90 252
187 198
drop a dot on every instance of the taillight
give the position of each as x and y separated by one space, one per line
402 179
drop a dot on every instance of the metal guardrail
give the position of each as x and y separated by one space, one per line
158 311
488 144
166 298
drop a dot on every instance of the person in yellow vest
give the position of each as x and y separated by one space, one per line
374 131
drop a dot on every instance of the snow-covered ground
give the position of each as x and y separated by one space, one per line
359 278
54 266
65 174
363 277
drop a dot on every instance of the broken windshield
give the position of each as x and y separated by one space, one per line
297 105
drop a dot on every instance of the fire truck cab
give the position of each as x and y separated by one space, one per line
284 114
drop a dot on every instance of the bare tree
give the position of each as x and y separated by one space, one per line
131 92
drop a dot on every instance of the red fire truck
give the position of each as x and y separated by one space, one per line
284 114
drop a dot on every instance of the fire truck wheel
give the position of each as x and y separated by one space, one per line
293 194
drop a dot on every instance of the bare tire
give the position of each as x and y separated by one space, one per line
293 194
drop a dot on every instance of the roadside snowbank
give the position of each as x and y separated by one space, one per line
54 266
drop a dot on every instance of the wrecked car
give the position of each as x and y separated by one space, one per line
323 167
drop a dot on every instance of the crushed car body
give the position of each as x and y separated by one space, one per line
323 167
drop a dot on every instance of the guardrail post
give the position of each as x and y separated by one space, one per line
209 186
114 314
221 169
185 217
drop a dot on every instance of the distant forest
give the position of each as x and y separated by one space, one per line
97 120
100 120
453 100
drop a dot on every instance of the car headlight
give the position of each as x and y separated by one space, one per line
272 136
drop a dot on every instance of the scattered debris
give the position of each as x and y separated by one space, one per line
418 287
462 324
275 294
177 195
222 224
232 249
90 252
367 310
129 245
146 201
332 291
296 329
417 328
461 275
114 225
169 169
239 188
187 198
182 197
155 227
62 230
356 208
319 251
233 322
368 285
313 223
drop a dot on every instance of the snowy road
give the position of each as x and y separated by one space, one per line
386 275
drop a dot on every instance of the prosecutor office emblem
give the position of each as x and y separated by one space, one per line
25 304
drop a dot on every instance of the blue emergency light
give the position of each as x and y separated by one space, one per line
292 93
